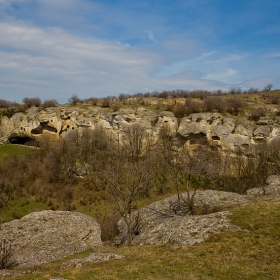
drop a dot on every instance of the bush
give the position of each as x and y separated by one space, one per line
105 102
109 227
49 103
5 103
5 254
256 114
214 103
29 102
235 106
74 99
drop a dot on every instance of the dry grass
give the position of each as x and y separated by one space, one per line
251 254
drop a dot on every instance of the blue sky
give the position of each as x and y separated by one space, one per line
57 48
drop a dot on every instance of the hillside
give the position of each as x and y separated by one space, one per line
192 179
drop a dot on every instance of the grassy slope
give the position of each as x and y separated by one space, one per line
6 151
245 255
251 254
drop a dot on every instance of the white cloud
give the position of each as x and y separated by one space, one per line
260 82
67 63
151 36
227 76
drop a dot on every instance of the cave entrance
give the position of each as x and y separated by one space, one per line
197 139
23 140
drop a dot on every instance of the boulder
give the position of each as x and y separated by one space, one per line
273 180
45 236
241 130
158 224
263 131
166 120
269 191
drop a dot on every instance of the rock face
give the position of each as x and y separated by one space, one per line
50 235
224 132
157 223
271 190
199 128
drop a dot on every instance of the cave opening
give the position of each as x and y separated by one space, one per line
215 137
23 140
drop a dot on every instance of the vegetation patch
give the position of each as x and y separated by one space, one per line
9 150
252 254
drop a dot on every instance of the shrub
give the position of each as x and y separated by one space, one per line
29 102
105 102
74 99
214 103
49 103
109 227
256 114
235 106
5 254
5 103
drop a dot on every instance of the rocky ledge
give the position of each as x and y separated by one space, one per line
50 235
199 128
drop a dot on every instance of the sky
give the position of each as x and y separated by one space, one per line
57 48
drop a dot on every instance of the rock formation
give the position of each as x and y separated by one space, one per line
158 224
50 235
199 128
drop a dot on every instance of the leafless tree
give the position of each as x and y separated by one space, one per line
49 103
36 101
74 99
268 87
61 162
137 141
6 191
126 184
5 254
189 170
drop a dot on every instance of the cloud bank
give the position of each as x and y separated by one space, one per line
53 49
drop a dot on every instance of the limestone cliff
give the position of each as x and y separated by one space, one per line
200 128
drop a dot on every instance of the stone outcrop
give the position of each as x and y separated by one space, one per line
199 128
50 235
270 191
157 223
224 132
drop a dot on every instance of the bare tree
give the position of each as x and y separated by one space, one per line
6 191
74 99
268 87
36 101
49 103
189 170
61 162
5 254
137 142
126 184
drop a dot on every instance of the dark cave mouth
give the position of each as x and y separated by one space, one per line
23 140
43 126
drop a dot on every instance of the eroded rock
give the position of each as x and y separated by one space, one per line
158 224
50 235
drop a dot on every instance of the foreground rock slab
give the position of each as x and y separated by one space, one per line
157 224
45 236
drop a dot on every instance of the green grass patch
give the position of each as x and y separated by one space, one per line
19 208
9 150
